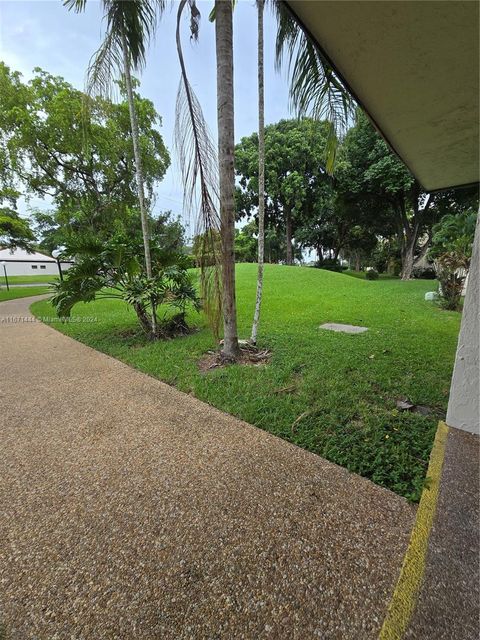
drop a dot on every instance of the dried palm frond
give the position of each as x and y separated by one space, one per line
198 163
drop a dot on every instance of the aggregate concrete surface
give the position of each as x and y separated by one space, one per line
131 510
449 604
343 328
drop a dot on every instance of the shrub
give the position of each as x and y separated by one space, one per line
424 273
451 287
330 264
114 269
452 250
190 261
371 274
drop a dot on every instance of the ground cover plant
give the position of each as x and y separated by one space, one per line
20 292
331 393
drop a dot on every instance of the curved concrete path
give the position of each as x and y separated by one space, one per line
131 510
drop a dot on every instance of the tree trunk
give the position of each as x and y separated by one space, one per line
226 143
357 262
411 232
261 175
143 318
407 260
288 228
407 250
138 170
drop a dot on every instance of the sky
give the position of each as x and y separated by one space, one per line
44 33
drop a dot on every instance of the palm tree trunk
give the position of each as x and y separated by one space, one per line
138 170
261 174
226 143
288 229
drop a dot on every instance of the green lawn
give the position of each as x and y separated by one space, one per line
20 292
361 275
27 279
346 385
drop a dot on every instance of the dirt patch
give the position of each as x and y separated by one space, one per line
249 355
136 338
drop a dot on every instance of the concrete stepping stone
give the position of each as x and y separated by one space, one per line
344 328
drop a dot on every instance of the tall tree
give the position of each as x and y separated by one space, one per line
315 89
15 232
137 155
129 25
92 187
261 174
226 144
295 156
375 177
199 167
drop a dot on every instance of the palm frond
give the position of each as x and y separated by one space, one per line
136 21
104 66
315 90
76 5
198 164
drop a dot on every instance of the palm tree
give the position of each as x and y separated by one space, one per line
199 166
314 87
261 174
315 90
136 152
129 27
226 144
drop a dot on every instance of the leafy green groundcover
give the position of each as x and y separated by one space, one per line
345 387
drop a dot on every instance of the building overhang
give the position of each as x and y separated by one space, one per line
414 67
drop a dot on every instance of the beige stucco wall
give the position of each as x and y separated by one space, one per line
464 403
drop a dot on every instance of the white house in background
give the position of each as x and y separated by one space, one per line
19 262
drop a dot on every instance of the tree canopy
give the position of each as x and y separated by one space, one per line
373 177
295 174
371 199
56 142
14 230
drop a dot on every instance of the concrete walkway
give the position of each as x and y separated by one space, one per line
131 510
449 604
27 285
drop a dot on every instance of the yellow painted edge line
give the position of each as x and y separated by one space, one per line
404 598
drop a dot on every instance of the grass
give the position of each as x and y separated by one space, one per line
28 279
345 387
21 292
361 275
